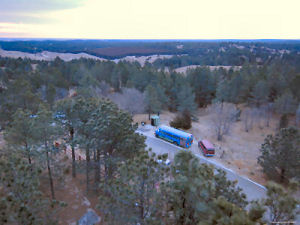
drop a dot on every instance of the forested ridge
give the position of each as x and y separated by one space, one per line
89 105
189 52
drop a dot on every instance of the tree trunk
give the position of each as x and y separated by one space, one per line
28 153
219 135
105 168
183 216
87 156
142 201
49 171
73 152
97 168
282 175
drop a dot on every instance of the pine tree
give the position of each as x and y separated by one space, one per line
84 109
285 104
260 93
153 102
133 196
67 116
226 213
21 133
280 155
203 83
280 202
113 136
191 193
186 100
47 131
21 199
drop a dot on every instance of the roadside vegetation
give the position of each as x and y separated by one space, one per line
87 106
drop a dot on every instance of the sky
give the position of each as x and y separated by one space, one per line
150 19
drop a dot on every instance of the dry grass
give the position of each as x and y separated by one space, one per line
241 148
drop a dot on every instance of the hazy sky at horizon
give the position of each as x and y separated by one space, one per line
150 19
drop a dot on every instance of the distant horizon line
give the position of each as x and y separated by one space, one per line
145 39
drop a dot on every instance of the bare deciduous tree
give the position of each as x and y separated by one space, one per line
102 90
130 99
255 115
285 104
267 111
223 116
247 118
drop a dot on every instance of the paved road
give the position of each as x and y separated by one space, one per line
251 189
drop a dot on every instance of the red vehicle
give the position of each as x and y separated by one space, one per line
206 147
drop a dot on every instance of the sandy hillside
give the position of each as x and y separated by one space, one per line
143 59
184 69
49 56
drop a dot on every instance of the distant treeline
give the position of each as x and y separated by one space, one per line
23 83
197 52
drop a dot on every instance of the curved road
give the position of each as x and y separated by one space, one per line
252 189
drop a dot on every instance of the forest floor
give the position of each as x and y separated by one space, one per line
240 148
73 192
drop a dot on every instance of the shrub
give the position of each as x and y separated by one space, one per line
182 120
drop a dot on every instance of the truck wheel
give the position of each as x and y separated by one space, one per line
156 135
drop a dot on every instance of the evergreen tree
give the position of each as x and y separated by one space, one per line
191 193
18 94
21 133
280 155
186 100
153 103
285 104
113 137
67 116
22 202
133 196
203 83
260 93
84 109
226 213
281 203
47 131
223 91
